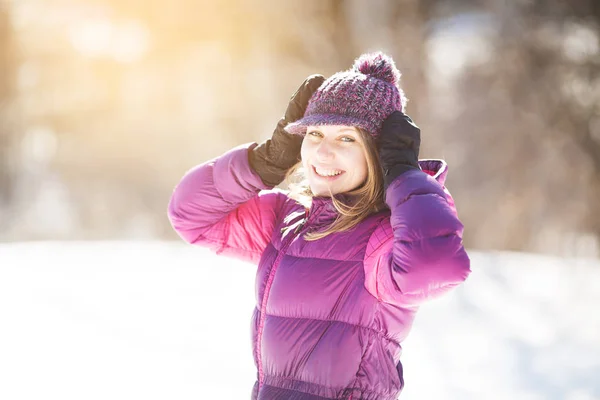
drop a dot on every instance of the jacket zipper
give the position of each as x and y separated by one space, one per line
263 305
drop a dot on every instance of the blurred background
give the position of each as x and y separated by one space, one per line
105 104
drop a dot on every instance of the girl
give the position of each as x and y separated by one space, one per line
347 256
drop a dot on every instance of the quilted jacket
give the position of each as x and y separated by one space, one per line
330 314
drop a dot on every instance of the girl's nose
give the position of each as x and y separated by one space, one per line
324 151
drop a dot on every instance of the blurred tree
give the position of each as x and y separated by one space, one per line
565 83
528 119
7 130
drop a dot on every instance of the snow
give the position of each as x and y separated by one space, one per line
165 320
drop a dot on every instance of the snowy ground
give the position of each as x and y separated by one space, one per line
156 320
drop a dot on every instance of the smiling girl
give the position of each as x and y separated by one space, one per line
364 236
334 159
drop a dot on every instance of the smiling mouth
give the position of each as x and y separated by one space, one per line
327 173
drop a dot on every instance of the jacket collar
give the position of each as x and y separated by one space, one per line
322 211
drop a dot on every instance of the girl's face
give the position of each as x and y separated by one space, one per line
334 159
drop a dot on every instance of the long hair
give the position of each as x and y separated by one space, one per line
364 200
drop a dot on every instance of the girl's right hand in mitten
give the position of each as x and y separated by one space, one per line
273 158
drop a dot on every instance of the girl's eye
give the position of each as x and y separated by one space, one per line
345 139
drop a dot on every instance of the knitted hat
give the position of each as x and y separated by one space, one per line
363 96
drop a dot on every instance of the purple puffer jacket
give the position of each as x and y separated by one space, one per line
330 314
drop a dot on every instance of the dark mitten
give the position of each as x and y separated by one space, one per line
398 144
273 158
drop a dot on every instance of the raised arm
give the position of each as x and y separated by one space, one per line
418 254
219 205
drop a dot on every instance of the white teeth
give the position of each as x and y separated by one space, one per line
327 172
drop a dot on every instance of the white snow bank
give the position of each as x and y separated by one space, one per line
161 320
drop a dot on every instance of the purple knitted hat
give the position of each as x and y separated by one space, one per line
363 96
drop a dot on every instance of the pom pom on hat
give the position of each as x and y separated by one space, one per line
378 65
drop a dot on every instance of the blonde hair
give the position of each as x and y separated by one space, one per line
365 199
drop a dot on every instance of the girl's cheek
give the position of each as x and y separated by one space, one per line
304 147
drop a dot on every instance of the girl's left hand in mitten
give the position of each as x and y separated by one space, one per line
398 145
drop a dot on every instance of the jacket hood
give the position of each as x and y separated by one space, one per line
438 169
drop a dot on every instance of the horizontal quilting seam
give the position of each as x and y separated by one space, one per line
358 260
380 333
362 390
286 378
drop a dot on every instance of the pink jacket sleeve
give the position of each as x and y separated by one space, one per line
418 253
218 205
